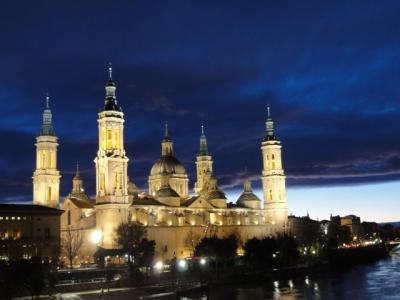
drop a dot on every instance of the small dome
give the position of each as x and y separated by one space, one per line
248 198
167 165
166 191
215 195
245 196
132 188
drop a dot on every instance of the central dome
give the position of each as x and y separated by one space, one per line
167 165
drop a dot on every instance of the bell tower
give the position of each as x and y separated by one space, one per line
273 180
112 199
111 160
204 163
46 177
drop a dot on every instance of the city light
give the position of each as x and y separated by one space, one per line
203 261
96 236
182 264
159 265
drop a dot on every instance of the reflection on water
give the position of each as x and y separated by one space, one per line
380 280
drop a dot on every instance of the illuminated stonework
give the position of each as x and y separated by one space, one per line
167 210
273 180
46 178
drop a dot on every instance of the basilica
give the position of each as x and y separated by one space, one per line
172 215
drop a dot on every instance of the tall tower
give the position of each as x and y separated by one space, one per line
204 163
111 161
46 178
112 198
273 180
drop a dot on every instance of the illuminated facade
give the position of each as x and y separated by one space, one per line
170 214
46 178
273 179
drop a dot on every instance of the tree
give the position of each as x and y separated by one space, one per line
219 249
131 237
71 243
191 241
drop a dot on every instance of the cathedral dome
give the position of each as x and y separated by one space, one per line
248 198
167 165
244 197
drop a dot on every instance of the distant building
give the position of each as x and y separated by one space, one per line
303 229
28 230
353 222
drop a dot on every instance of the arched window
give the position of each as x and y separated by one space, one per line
69 217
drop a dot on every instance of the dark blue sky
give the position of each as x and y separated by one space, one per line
330 72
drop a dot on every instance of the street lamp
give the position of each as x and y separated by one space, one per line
96 236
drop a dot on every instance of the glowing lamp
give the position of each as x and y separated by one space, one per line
96 236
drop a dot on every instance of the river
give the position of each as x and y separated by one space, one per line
380 280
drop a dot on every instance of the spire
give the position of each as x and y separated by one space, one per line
166 135
203 143
110 102
77 175
166 143
47 126
77 183
47 101
269 124
110 71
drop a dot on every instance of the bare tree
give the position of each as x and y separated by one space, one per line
192 240
71 243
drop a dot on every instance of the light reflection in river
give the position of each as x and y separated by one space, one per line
380 280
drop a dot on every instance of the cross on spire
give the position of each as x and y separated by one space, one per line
47 100
166 129
110 70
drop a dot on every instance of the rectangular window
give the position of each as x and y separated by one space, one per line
109 139
47 233
48 193
16 234
102 182
117 138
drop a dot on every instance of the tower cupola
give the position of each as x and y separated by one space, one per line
47 126
203 143
167 144
269 126
110 102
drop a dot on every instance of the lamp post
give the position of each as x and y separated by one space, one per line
97 238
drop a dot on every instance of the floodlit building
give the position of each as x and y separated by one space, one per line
167 209
28 230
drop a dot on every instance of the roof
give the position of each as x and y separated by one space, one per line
111 105
247 196
29 208
166 191
167 165
215 195
146 201
82 203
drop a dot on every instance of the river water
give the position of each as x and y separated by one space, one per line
380 280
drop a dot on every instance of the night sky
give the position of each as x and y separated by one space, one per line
330 73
